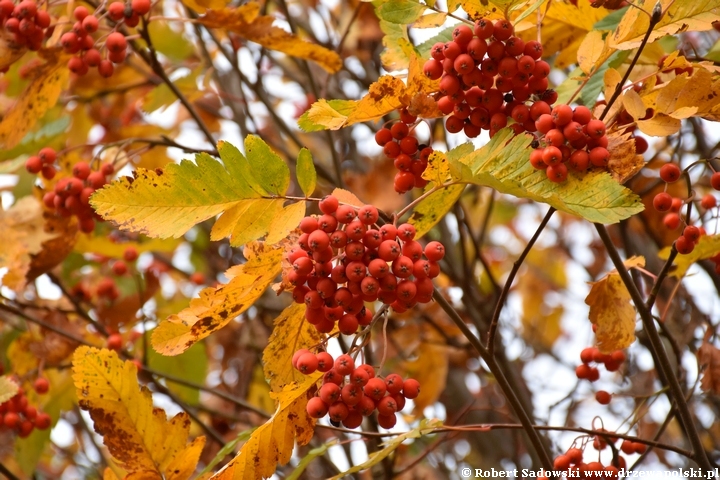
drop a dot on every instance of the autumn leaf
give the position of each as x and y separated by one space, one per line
504 165
708 357
437 170
8 388
137 434
285 222
400 11
290 333
624 162
273 443
706 247
611 310
102 245
47 81
246 22
382 98
201 6
167 203
217 306
679 16
305 171
10 51
23 227
429 367
426 426
564 29
434 207
326 114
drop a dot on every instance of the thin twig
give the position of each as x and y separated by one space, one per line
492 333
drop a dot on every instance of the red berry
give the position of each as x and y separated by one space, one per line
671 221
662 202
316 408
90 24
130 254
708 201
561 462
43 421
344 364
670 172
575 455
411 388
434 251
462 34
684 245
503 29
692 233
141 7
114 341
715 180
41 385
307 363
603 397
599 156
596 129
387 421
116 42
119 268
116 11
33 165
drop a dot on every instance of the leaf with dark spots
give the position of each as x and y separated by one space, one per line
217 306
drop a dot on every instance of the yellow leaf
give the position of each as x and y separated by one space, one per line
634 104
563 30
708 246
437 170
103 245
323 113
272 443
611 310
8 388
290 333
247 220
137 434
23 227
431 20
108 474
382 98
660 125
258 392
244 21
611 79
217 306
200 6
285 221
681 16
590 51
10 52
46 83
347 198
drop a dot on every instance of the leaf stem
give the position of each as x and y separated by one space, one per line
676 392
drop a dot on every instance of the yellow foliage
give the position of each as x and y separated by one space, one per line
273 443
708 246
217 306
624 163
138 435
290 333
679 16
246 22
8 388
47 81
430 367
611 311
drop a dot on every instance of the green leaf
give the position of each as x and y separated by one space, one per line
191 365
592 89
267 167
169 42
395 40
426 426
311 455
305 171
445 35
611 21
400 11
504 164
167 203
433 208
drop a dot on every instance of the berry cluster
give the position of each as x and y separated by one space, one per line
81 42
570 137
71 195
486 76
664 202
572 460
348 393
18 415
410 157
586 371
344 259
26 22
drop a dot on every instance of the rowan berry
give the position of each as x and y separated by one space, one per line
114 341
316 407
670 172
715 180
140 7
386 421
116 42
41 385
603 397
684 245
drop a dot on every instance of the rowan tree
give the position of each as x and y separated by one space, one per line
314 239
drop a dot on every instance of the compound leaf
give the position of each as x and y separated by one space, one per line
504 164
